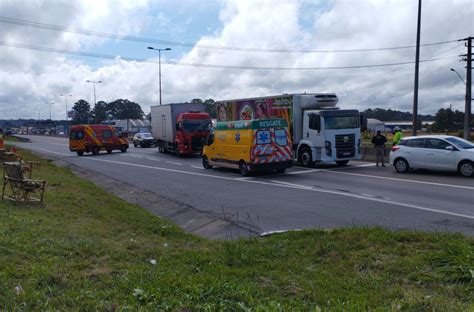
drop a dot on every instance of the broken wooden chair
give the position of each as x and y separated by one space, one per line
21 188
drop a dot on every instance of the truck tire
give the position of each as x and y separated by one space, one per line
109 151
205 163
123 148
80 153
243 169
306 157
342 163
95 150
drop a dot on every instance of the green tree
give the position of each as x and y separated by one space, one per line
210 107
100 112
82 112
448 120
199 101
124 109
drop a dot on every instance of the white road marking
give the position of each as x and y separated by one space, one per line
403 180
304 171
174 163
322 169
197 167
284 184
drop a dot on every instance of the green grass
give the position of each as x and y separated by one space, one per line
87 250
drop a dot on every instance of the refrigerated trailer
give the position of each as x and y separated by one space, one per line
180 128
321 132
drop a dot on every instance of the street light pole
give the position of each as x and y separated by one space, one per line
94 82
417 66
65 96
49 103
159 64
467 109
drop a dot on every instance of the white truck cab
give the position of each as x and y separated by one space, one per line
329 135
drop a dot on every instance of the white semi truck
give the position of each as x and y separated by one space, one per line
321 132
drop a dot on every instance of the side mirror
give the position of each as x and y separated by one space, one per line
449 148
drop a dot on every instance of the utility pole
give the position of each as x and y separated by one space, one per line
417 66
467 108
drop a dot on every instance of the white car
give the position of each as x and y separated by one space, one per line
437 152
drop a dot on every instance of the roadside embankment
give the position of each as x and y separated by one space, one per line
86 249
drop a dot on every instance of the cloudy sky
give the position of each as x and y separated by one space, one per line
229 49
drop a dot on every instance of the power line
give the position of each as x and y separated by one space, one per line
20 22
112 57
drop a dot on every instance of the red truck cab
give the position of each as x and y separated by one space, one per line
192 129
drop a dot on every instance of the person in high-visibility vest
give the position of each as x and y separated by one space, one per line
397 136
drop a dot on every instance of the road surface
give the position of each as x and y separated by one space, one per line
324 197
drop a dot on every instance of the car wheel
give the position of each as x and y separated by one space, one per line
306 158
80 153
466 168
134 144
342 163
401 165
205 163
95 150
243 169
124 148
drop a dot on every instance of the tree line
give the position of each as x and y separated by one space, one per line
102 111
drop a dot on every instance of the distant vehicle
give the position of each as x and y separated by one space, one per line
249 145
321 132
94 138
144 139
181 128
436 152
60 133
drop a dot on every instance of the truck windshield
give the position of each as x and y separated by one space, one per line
194 125
341 122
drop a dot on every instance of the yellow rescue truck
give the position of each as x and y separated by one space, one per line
249 145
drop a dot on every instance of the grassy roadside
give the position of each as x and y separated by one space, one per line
88 250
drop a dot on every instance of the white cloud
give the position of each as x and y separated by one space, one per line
29 78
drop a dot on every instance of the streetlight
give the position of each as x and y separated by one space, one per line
65 96
49 103
159 63
467 108
94 82
452 69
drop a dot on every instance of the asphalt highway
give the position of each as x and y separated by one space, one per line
324 197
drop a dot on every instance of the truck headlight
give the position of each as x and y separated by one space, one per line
327 145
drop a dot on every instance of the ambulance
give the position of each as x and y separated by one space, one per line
94 138
249 146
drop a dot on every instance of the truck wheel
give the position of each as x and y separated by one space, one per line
243 169
109 151
95 150
205 163
80 153
124 148
342 163
306 158
161 148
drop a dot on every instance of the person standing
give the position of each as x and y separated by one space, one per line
379 141
397 135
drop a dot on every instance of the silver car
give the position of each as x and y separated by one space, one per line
436 152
